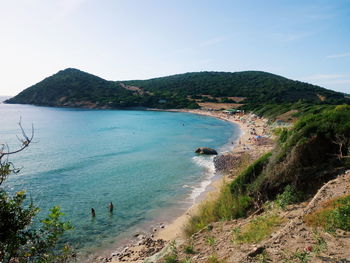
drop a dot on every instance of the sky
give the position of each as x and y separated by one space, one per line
307 40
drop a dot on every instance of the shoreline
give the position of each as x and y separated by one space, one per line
145 246
175 229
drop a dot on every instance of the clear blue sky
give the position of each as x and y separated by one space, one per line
139 39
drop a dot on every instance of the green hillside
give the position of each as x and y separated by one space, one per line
256 86
75 88
69 87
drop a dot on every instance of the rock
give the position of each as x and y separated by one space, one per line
206 150
256 251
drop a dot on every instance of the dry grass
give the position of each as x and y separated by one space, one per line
258 229
224 206
334 214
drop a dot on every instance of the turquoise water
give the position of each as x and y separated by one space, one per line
142 161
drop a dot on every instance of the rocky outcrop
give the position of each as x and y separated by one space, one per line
206 150
229 161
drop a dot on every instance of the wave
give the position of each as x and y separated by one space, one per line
207 163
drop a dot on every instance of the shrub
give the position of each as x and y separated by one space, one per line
302 256
311 151
20 241
172 257
240 184
189 249
289 196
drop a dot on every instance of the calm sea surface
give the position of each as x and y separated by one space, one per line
142 161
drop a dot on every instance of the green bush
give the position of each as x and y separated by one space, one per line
289 196
19 240
311 151
240 184
189 249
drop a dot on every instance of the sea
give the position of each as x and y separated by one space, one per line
141 161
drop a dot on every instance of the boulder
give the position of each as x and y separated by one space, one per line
206 150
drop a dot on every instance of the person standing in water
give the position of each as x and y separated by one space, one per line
110 207
93 213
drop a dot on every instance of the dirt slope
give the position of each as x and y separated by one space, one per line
292 241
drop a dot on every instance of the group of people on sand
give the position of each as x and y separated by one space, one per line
110 207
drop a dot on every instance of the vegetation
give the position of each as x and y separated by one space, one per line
214 259
308 253
20 242
189 249
225 207
296 109
258 229
249 175
289 196
303 256
334 214
256 86
172 256
314 149
263 257
320 243
75 88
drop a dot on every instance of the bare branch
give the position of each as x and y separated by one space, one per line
7 167
25 141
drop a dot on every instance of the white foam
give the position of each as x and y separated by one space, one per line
206 162
209 172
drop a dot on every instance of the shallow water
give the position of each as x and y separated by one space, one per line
142 161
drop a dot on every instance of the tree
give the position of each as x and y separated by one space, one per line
19 240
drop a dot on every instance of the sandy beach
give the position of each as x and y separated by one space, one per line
175 229
150 246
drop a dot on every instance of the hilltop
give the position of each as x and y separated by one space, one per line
75 88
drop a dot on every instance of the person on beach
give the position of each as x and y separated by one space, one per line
110 207
93 213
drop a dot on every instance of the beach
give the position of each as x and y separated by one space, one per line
156 242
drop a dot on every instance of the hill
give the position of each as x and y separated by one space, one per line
256 86
75 88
